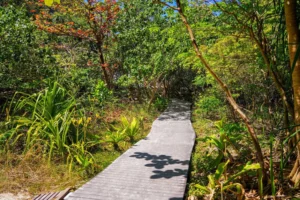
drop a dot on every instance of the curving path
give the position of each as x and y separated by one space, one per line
155 168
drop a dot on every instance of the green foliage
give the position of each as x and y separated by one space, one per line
202 81
220 182
160 103
102 93
115 137
234 132
50 120
221 145
147 54
49 103
79 154
4 136
227 140
132 129
149 44
210 106
23 61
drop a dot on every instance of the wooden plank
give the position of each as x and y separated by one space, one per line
53 195
155 168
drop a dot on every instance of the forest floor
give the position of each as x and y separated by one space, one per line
18 196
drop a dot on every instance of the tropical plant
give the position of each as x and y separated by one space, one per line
221 145
132 128
160 103
48 120
210 106
79 154
226 139
101 93
115 137
221 182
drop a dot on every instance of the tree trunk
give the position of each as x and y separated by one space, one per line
293 42
156 86
103 67
230 99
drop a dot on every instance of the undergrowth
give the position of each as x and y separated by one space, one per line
51 141
223 164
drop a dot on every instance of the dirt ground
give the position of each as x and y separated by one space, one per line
10 196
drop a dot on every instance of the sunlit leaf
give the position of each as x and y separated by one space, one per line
202 188
48 2
220 170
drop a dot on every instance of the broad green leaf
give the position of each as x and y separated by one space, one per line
253 166
220 170
246 168
79 160
48 2
203 188
125 122
134 124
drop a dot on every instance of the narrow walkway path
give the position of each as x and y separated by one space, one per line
155 168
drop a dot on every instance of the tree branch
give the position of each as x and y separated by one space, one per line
163 3
226 90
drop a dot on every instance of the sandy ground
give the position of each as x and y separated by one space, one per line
10 196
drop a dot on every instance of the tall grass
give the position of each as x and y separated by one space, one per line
51 119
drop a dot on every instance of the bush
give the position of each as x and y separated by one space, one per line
210 107
101 93
161 103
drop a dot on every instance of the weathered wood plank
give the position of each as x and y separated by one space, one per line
53 195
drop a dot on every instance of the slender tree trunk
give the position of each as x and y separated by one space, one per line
99 42
293 43
230 99
156 86
104 67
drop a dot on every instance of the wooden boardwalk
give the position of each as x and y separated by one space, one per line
155 168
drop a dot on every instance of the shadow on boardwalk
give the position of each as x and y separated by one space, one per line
155 168
176 112
159 162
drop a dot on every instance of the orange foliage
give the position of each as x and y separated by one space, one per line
99 16
86 19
